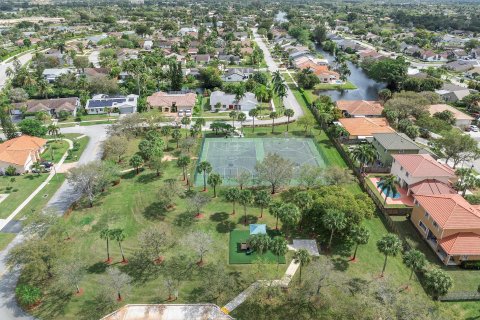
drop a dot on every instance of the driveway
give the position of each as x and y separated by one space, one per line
61 200
290 101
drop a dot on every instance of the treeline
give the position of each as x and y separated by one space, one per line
436 21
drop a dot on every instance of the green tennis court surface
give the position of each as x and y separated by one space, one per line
231 156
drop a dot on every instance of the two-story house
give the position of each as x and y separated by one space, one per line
450 225
388 144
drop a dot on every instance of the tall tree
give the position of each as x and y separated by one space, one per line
119 236
106 234
136 162
7 125
275 170
232 195
183 162
415 260
154 240
117 281
273 115
364 154
262 200
290 216
302 257
389 245
360 236
388 186
253 113
200 242
288 113
204 168
333 220
279 247
245 200
214 180
438 282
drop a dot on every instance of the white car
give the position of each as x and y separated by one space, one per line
473 128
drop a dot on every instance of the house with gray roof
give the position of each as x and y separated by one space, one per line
452 92
52 74
237 74
388 144
101 104
228 102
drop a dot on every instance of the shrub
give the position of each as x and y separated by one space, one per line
471 265
11 171
472 199
28 295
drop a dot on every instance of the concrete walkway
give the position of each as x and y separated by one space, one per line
52 173
283 283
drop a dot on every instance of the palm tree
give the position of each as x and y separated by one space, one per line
232 195
186 121
415 260
364 154
119 235
273 115
241 118
176 134
44 88
183 162
276 77
204 167
303 257
288 113
389 245
253 113
279 247
262 199
53 130
245 199
333 220
388 186
214 180
359 235
106 234
233 115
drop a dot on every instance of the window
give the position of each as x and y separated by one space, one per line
422 226
407 174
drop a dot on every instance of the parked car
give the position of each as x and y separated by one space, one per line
473 128
42 169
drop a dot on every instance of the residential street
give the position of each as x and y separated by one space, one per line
290 100
61 200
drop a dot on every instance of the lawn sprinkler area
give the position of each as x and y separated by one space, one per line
231 156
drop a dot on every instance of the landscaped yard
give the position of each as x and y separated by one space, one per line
332 86
238 256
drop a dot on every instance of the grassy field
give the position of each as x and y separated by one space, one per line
18 190
330 86
237 256
78 149
55 150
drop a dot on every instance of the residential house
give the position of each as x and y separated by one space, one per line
52 74
126 54
363 128
187 30
452 93
96 72
360 108
102 104
462 120
148 45
450 225
410 169
172 102
388 144
229 58
428 55
202 58
21 153
51 106
460 65
229 102
473 73
237 74
475 53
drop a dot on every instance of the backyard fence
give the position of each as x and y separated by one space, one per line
461 296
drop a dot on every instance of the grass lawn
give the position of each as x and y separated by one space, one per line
79 146
89 117
330 86
5 239
237 256
55 150
21 188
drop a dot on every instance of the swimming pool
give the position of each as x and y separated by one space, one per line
390 194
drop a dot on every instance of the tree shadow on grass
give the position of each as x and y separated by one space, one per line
147 178
219 216
250 219
340 264
54 303
96 307
226 226
155 211
98 268
141 268
184 220
130 174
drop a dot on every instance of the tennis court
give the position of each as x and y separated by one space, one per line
231 156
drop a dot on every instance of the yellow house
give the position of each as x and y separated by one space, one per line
450 225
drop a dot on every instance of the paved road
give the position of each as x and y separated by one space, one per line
61 200
5 65
290 101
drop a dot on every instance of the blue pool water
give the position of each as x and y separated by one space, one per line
390 194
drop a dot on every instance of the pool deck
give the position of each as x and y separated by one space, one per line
404 198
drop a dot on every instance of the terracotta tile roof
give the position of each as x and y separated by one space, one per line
360 107
69 104
463 243
431 187
163 99
450 211
17 150
434 108
365 126
423 165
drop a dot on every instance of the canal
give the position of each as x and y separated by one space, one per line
367 89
